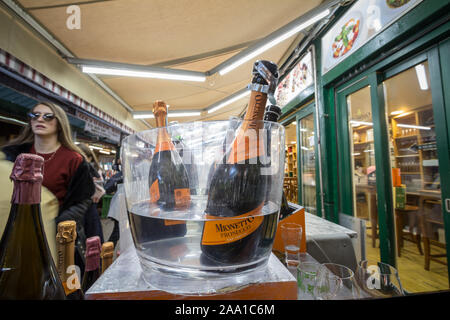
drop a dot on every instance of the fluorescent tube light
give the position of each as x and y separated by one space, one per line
413 126
360 123
95 147
104 152
146 115
143 74
422 77
274 42
396 113
228 101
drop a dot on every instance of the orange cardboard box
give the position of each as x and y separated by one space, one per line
297 217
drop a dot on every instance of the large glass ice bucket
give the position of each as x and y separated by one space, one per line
170 243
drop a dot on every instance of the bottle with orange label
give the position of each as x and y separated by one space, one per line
168 179
237 191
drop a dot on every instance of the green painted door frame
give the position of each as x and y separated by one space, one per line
440 79
440 83
302 113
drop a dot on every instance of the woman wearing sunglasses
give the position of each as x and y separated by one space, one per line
66 172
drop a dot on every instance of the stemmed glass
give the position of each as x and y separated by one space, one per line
335 282
378 280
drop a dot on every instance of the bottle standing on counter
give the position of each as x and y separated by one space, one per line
237 189
27 270
107 255
92 268
168 180
65 245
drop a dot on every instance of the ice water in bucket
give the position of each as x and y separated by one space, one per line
189 241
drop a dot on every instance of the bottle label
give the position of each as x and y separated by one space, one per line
182 200
154 191
164 146
182 197
227 230
169 222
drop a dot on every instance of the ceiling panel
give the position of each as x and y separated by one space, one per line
148 32
30 4
180 34
141 92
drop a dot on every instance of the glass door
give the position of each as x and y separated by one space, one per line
291 165
394 166
414 115
307 159
357 156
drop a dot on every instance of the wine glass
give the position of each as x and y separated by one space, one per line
378 280
335 282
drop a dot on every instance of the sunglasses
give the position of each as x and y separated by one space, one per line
36 115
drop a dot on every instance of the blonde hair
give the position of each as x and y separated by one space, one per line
89 153
64 130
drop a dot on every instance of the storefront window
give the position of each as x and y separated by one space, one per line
308 163
290 170
363 158
415 173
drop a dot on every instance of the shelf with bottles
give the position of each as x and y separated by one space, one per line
291 160
414 141
362 135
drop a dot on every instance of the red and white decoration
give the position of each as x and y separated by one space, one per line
26 71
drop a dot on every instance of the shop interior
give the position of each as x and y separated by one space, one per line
419 227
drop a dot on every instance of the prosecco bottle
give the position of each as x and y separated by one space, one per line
237 191
272 114
27 270
65 246
92 268
168 181
107 255
188 155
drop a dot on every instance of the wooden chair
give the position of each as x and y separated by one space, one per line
399 225
427 221
291 189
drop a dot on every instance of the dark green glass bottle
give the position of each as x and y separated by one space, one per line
27 270
237 190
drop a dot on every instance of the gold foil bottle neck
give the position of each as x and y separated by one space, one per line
159 107
66 231
107 250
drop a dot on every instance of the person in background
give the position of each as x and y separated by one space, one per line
92 223
66 171
111 184
111 188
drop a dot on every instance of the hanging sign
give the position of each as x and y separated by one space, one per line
295 82
98 128
361 22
